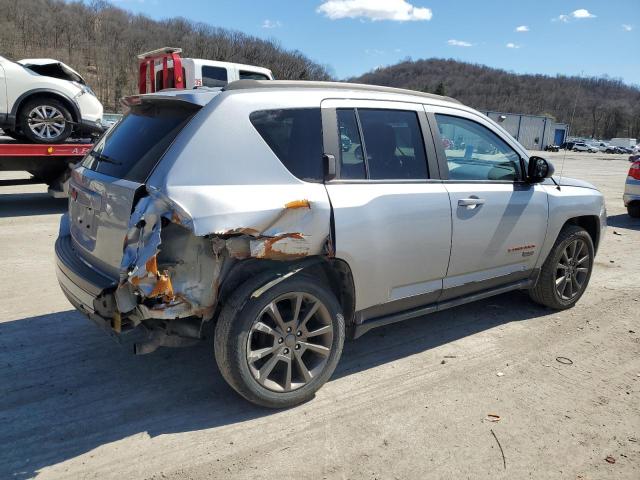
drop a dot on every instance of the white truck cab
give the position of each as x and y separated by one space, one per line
197 72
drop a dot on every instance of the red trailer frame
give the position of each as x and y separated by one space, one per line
147 65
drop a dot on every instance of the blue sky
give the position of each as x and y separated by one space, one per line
354 36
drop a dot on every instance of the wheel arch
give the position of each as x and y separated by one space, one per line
591 223
44 93
333 272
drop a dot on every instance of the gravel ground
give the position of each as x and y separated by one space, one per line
407 401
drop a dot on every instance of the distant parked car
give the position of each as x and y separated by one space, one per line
583 147
110 119
631 197
616 149
45 101
552 148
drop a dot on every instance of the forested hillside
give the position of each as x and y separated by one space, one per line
605 108
101 42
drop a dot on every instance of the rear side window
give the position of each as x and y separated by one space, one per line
393 145
133 147
246 75
214 76
295 136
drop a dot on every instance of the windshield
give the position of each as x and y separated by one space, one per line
133 147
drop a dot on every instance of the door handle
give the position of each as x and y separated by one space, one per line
471 202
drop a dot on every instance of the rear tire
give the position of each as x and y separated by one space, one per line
633 209
279 364
45 120
566 272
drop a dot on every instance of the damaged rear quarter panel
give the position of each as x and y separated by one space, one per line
233 198
226 178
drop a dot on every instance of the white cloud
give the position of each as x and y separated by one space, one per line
397 10
582 13
271 24
522 28
459 43
577 14
512 45
627 28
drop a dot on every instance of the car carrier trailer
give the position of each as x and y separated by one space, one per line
46 163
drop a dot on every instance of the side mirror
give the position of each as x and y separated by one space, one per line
539 169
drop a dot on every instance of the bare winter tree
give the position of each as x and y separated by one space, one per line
101 41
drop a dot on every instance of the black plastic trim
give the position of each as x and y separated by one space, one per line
363 328
83 276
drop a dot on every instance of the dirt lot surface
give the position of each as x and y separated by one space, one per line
407 401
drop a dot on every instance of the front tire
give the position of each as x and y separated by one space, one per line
278 349
45 120
566 272
633 209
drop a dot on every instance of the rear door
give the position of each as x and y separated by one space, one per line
499 220
104 188
392 215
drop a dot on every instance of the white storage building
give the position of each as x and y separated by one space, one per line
534 132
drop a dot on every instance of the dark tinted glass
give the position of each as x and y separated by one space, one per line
133 147
252 76
394 145
351 157
214 76
295 136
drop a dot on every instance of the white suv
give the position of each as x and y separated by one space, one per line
45 101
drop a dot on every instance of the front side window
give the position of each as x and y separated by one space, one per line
295 136
214 76
476 153
393 147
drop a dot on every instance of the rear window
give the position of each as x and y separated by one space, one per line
295 136
133 147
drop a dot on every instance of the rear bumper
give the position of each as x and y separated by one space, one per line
631 191
82 285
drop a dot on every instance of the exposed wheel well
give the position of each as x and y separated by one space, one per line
591 223
73 110
333 272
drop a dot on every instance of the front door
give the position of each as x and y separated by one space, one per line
392 214
499 220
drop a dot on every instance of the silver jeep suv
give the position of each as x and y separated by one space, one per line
294 214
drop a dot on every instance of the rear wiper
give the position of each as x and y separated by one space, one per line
103 158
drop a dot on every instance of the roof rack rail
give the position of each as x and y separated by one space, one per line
277 84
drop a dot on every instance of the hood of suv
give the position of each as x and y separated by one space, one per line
52 68
573 182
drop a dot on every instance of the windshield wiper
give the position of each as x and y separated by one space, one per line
104 158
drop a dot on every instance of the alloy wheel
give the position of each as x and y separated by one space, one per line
572 270
46 121
289 342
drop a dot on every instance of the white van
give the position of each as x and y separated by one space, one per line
198 72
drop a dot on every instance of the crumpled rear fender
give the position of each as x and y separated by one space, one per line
179 246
